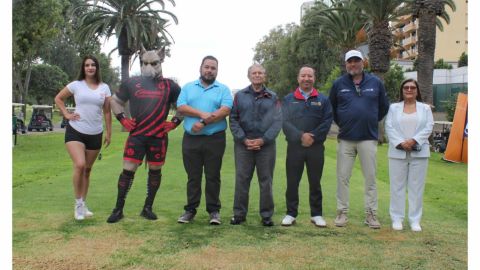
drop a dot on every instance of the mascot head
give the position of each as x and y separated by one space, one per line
151 62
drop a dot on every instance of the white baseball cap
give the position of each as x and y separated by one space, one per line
353 53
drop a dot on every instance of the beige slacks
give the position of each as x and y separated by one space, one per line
346 154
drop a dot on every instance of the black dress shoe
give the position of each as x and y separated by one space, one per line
237 220
116 215
148 213
267 222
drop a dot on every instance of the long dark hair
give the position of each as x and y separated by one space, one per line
419 96
82 75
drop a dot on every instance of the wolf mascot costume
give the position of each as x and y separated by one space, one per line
150 97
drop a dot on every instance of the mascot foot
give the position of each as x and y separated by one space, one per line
148 213
116 215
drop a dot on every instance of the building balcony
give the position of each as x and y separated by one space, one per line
410 27
398 33
408 42
410 54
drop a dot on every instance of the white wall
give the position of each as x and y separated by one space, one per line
445 76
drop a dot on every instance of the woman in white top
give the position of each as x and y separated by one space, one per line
408 125
83 135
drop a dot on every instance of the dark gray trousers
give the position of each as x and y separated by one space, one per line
203 152
245 163
297 157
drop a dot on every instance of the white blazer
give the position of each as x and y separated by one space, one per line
422 131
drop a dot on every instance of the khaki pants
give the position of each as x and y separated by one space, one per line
346 154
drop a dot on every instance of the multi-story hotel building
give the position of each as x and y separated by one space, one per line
450 43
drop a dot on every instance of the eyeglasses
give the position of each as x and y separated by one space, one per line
411 87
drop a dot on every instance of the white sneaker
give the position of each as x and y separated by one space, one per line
87 213
288 220
397 225
416 227
79 212
318 221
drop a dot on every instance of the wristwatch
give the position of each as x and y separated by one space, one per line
202 121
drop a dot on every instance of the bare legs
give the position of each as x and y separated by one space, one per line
82 164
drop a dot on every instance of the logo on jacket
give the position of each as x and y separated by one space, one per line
344 90
147 94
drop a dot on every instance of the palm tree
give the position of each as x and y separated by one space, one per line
340 25
380 39
133 22
427 12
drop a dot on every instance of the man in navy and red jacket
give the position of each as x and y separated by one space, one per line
307 116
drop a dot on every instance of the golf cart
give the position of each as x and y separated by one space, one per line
18 112
440 136
65 120
41 118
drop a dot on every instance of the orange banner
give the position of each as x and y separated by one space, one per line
457 146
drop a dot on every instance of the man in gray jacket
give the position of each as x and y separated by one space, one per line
255 121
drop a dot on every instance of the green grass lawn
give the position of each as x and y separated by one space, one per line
45 235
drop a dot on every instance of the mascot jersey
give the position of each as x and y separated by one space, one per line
150 100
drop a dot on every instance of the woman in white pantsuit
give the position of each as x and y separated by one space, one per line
408 125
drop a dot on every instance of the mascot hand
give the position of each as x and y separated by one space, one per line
127 123
166 127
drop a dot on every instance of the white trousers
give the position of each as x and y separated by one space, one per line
346 154
407 173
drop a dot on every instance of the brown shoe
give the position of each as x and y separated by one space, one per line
341 220
372 221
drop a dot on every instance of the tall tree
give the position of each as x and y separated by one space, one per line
271 52
133 22
66 52
282 54
379 13
34 23
428 12
339 24
47 80
393 79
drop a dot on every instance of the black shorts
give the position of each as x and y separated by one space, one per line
91 142
136 147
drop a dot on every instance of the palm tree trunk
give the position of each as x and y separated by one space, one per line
426 53
380 40
125 66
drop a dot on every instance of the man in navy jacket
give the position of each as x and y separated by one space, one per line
307 116
255 121
359 102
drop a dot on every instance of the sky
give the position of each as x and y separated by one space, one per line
228 30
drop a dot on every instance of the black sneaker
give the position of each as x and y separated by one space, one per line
215 218
148 213
116 215
237 220
186 217
268 222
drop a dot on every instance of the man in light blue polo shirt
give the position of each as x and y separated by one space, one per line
205 103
